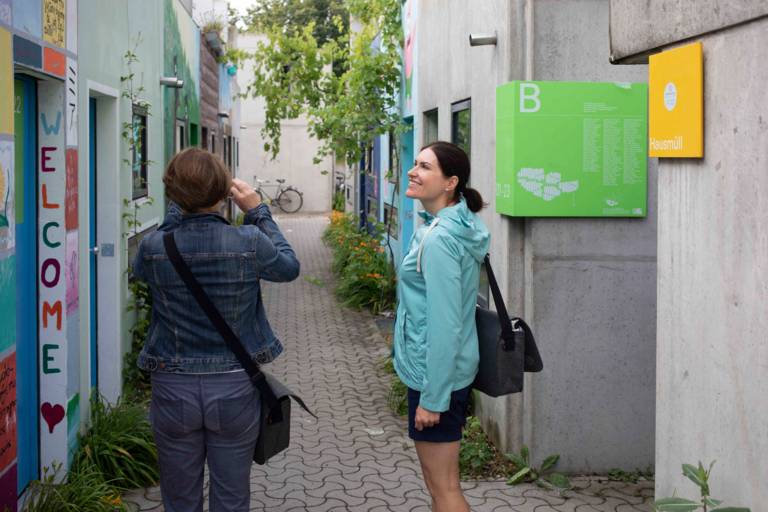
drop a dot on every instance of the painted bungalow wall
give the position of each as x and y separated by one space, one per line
182 60
124 24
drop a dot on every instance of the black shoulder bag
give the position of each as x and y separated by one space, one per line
507 346
275 427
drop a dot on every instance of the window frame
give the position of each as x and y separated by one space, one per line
457 109
427 114
141 159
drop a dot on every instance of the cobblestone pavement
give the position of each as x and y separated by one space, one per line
357 456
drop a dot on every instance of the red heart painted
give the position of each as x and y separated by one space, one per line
52 414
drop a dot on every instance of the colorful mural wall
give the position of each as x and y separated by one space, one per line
182 60
39 36
8 443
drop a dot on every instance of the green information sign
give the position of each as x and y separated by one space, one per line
571 149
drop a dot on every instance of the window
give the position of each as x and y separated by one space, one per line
205 138
181 139
394 161
372 207
390 220
430 126
461 123
139 150
213 142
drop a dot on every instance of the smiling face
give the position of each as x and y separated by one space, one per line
427 182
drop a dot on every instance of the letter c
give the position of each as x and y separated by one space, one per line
47 242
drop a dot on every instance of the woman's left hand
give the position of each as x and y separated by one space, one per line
425 418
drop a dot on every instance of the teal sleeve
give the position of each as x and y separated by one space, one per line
441 266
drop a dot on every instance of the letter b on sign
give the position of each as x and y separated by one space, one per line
529 98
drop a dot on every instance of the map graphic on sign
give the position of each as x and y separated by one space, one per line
571 149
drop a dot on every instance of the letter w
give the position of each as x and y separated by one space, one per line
51 129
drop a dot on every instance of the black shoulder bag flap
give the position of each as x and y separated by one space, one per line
275 424
507 347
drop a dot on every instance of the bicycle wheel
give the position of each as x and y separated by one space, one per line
290 200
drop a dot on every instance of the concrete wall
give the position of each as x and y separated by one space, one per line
591 290
297 148
713 274
586 285
639 28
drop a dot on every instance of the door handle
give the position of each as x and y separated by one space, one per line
95 250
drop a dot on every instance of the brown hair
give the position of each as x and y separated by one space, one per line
455 162
196 179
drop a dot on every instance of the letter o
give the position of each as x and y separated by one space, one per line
50 262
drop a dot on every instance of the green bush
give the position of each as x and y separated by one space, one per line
366 276
119 445
338 201
137 384
83 491
478 457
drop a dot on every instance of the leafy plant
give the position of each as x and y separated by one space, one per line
119 445
366 276
137 383
700 477
314 280
543 477
83 491
397 399
314 66
338 201
619 475
214 26
478 457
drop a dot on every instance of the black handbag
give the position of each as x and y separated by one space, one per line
275 423
507 346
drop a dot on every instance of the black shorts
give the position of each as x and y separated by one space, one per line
451 421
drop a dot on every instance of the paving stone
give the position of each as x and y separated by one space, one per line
357 456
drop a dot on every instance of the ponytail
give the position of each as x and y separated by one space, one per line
474 199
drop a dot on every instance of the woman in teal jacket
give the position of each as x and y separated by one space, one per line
436 351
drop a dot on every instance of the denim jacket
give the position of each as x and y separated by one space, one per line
228 261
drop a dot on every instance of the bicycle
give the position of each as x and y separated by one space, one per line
289 199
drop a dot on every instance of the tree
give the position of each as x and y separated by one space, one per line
293 15
345 84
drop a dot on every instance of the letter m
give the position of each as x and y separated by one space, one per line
51 129
49 310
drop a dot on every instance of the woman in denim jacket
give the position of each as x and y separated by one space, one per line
203 406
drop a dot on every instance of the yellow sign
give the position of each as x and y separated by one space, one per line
676 103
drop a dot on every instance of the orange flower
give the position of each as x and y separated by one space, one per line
374 276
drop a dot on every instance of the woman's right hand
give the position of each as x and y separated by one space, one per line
244 195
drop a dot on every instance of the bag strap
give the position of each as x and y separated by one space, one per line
230 338
507 334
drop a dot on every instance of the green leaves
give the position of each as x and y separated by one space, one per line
675 505
312 66
519 476
699 476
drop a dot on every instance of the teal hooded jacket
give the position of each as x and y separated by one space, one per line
435 341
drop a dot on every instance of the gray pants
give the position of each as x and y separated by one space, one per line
199 417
